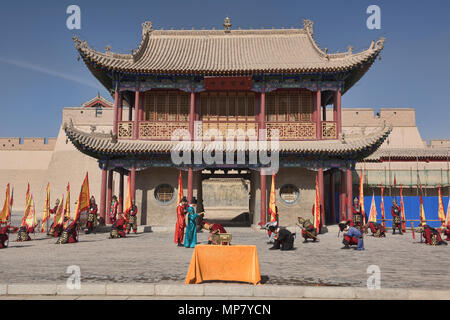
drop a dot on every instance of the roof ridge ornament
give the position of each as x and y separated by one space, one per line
147 27
350 49
227 24
308 26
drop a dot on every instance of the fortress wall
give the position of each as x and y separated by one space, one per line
365 117
28 144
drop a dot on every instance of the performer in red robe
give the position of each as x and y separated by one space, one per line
4 235
181 224
308 230
92 216
377 229
118 228
357 215
213 229
447 232
431 235
69 234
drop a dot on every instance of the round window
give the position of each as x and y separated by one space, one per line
289 193
164 193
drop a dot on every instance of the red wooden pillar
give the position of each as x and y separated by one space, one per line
191 132
262 125
322 195
103 197
190 184
343 193
192 114
349 194
317 119
121 193
141 106
137 104
332 216
109 197
130 113
120 107
338 112
133 182
263 219
116 110
262 111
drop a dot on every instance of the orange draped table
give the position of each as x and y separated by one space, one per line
224 263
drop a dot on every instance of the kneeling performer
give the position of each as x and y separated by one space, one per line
377 229
69 234
352 236
118 227
308 230
284 239
431 235
213 229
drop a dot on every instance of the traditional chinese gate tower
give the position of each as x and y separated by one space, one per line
228 79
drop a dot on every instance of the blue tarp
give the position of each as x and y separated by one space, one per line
412 207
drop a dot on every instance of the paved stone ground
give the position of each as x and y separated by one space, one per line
154 258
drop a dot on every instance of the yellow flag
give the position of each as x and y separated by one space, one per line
83 198
67 206
373 210
6 211
46 213
272 204
29 217
127 206
59 217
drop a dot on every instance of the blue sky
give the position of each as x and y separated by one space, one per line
40 74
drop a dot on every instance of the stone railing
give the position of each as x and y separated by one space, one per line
293 130
125 130
329 130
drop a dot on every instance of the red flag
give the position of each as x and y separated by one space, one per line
383 217
180 189
441 211
402 206
28 193
317 207
361 198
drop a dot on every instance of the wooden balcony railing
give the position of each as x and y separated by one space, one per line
329 130
153 130
292 130
125 130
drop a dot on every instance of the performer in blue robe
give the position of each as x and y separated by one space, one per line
190 239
